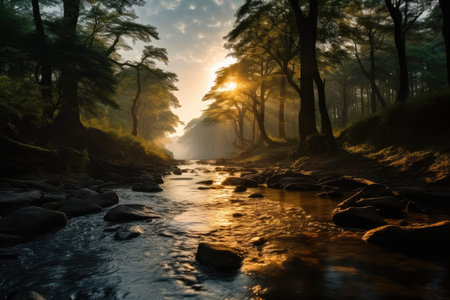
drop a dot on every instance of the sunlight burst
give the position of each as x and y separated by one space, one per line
228 87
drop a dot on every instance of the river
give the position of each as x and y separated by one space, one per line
306 256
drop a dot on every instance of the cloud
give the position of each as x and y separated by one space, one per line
180 26
156 6
219 2
192 6
215 25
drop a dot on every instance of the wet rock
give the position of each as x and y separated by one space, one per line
112 228
240 189
220 257
130 212
79 207
237 215
84 194
256 177
390 206
370 191
128 232
5 254
258 241
398 236
203 188
19 198
279 180
10 239
32 220
177 172
256 195
329 195
301 186
240 181
106 198
349 182
28 295
358 217
147 186
205 182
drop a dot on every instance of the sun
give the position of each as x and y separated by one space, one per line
228 87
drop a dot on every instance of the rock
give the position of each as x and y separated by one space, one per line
301 186
84 194
10 239
203 188
106 198
177 172
128 232
19 198
258 241
28 295
278 181
256 195
397 236
5 254
330 195
147 186
32 220
240 181
390 206
130 212
358 217
370 191
348 182
240 189
206 182
256 177
79 207
220 257
237 215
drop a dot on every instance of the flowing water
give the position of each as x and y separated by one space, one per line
305 255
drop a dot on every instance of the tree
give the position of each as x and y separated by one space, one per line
445 7
404 14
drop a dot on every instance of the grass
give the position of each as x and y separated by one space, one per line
420 123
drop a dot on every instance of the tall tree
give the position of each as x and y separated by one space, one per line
445 7
404 14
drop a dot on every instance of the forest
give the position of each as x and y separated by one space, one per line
315 165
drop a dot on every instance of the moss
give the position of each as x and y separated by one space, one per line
420 123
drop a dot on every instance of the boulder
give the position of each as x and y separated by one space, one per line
278 181
84 194
389 206
407 236
79 207
358 217
370 191
19 198
32 220
301 186
329 195
28 295
220 257
240 189
128 232
147 186
106 198
177 172
256 177
348 182
240 181
205 182
256 195
130 212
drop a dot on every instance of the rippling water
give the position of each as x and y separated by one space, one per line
305 255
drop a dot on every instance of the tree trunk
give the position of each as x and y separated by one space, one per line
307 28
344 118
362 101
445 7
68 123
400 45
327 129
134 106
281 131
373 73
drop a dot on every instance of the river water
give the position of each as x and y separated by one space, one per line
305 256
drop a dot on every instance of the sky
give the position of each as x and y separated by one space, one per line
192 31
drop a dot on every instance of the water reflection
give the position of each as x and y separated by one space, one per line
292 250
